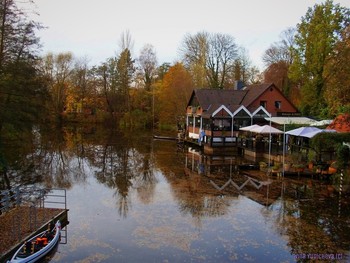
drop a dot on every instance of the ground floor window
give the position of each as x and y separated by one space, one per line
242 122
222 124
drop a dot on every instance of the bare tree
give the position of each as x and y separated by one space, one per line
194 52
80 77
282 50
278 58
125 41
209 55
147 65
243 66
57 69
221 55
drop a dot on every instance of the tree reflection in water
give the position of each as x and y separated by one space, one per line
307 213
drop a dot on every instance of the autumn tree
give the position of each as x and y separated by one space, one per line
106 75
337 71
242 70
147 66
162 70
57 69
80 80
277 59
83 90
21 90
140 109
18 41
114 78
317 34
174 94
241 66
125 71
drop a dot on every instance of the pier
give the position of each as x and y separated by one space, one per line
26 212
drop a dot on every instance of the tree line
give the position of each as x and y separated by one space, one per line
309 64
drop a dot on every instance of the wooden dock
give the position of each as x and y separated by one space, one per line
21 223
27 210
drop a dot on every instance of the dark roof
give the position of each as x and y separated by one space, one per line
232 99
253 92
209 97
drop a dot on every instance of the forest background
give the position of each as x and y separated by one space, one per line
310 64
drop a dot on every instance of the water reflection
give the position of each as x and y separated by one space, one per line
148 198
221 176
310 213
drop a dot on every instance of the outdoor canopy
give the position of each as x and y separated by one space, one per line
249 128
302 131
313 133
291 120
307 132
267 129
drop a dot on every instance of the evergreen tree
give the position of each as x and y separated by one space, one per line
125 71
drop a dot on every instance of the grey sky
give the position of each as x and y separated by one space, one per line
93 28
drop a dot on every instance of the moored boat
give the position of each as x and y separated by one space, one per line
38 246
158 137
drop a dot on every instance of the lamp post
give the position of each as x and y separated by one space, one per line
284 148
270 142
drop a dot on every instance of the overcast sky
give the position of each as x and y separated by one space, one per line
93 28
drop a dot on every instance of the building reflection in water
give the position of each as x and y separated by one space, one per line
311 213
223 174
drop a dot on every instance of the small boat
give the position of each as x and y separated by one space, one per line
38 246
168 138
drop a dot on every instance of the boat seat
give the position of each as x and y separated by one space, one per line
22 255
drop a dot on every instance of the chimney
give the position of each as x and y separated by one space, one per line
239 85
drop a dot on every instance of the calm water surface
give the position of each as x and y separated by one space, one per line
134 199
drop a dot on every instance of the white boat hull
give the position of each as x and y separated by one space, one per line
42 252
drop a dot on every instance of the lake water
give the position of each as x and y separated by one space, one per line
135 199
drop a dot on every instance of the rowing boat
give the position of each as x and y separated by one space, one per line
38 246
157 137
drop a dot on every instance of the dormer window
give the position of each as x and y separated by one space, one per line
278 104
263 103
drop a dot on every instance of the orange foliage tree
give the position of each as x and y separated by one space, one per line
173 95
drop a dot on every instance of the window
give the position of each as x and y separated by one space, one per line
222 125
278 104
263 103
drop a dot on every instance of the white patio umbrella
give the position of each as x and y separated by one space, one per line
313 133
266 129
249 128
303 131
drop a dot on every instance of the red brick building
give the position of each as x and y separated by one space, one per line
214 116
